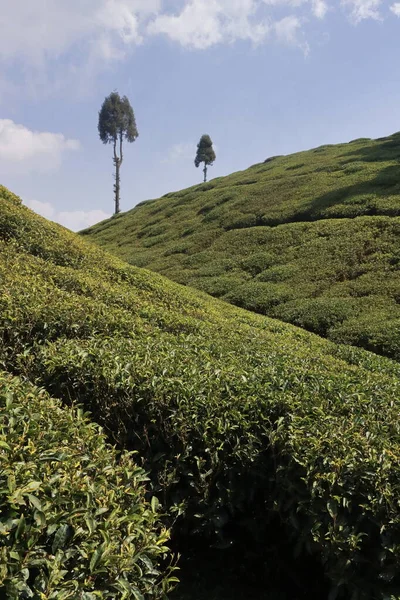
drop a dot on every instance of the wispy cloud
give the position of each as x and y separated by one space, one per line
204 23
288 31
180 152
359 10
395 8
21 147
74 219
58 43
38 30
319 8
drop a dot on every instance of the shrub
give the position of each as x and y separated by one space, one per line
74 521
378 331
354 167
278 273
238 220
239 420
317 314
258 262
259 296
260 433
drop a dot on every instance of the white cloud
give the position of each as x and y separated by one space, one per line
118 17
363 9
180 152
56 45
319 8
32 149
42 208
74 219
80 219
41 29
395 8
287 31
283 3
204 23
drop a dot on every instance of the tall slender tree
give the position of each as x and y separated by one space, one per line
117 123
205 154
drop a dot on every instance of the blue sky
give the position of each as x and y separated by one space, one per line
261 77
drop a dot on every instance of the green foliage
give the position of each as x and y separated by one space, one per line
117 120
310 238
117 123
74 521
205 154
238 419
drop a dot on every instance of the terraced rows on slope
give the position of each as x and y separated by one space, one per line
312 239
256 435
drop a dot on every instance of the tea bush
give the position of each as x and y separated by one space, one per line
74 520
238 419
325 222
335 440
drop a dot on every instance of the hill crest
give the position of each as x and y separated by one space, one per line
310 238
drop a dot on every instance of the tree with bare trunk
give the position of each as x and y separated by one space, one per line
205 154
117 123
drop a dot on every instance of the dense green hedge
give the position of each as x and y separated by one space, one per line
214 430
74 521
312 239
238 418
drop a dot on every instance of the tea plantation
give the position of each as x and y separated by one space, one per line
311 239
268 450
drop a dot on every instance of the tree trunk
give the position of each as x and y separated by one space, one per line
205 173
117 185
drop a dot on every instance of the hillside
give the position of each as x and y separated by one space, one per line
266 447
311 239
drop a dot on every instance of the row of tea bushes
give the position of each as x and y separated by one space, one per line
74 519
237 418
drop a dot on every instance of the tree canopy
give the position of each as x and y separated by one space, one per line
205 154
117 120
117 123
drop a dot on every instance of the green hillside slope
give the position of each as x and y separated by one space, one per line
279 449
312 239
